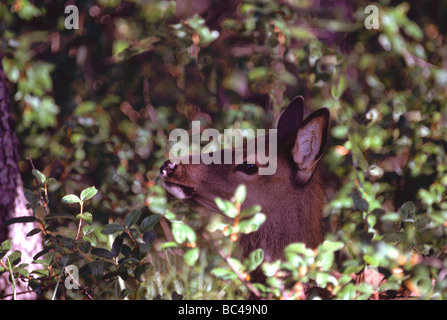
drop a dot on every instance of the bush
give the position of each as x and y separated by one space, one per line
95 107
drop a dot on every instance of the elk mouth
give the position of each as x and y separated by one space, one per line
189 195
179 191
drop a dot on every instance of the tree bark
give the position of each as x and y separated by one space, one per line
12 198
8 157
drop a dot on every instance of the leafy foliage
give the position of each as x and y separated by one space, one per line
94 107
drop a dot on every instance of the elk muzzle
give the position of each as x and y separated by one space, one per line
168 172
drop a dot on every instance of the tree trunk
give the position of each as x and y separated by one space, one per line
12 198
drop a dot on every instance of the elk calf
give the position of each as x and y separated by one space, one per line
292 198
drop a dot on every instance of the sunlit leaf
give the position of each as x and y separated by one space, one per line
39 176
88 193
71 198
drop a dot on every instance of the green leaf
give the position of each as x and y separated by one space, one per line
169 245
15 257
71 198
149 236
86 216
87 229
183 233
97 269
5 247
39 176
191 256
274 283
70 258
101 252
132 217
66 242
88 193
271 268
408 210
90 239
371 259
348 292
84 246
112 228
422 223
28 10
257 73
124 265
235 264
240 194
250 212
340 131
394 237
359 203
24 219
254 259
35 285
331 246
31 196
338 87
325 260
40 272
221 204
299 248
139 272
41 253
224 274
116 246
33 232
323 278
226 207
157 204
23 272
252 224
50 181
149 222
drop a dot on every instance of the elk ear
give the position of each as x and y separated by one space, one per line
310 143
290 120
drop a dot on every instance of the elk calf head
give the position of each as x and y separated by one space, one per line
291 198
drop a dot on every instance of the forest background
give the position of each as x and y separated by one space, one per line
87 102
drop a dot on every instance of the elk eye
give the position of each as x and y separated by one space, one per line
247 168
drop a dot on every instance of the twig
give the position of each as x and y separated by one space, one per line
80 222
417 251
234 236
43 200
84 255
84 291
59 279
12 280
240 276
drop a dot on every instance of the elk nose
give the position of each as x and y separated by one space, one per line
167 169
